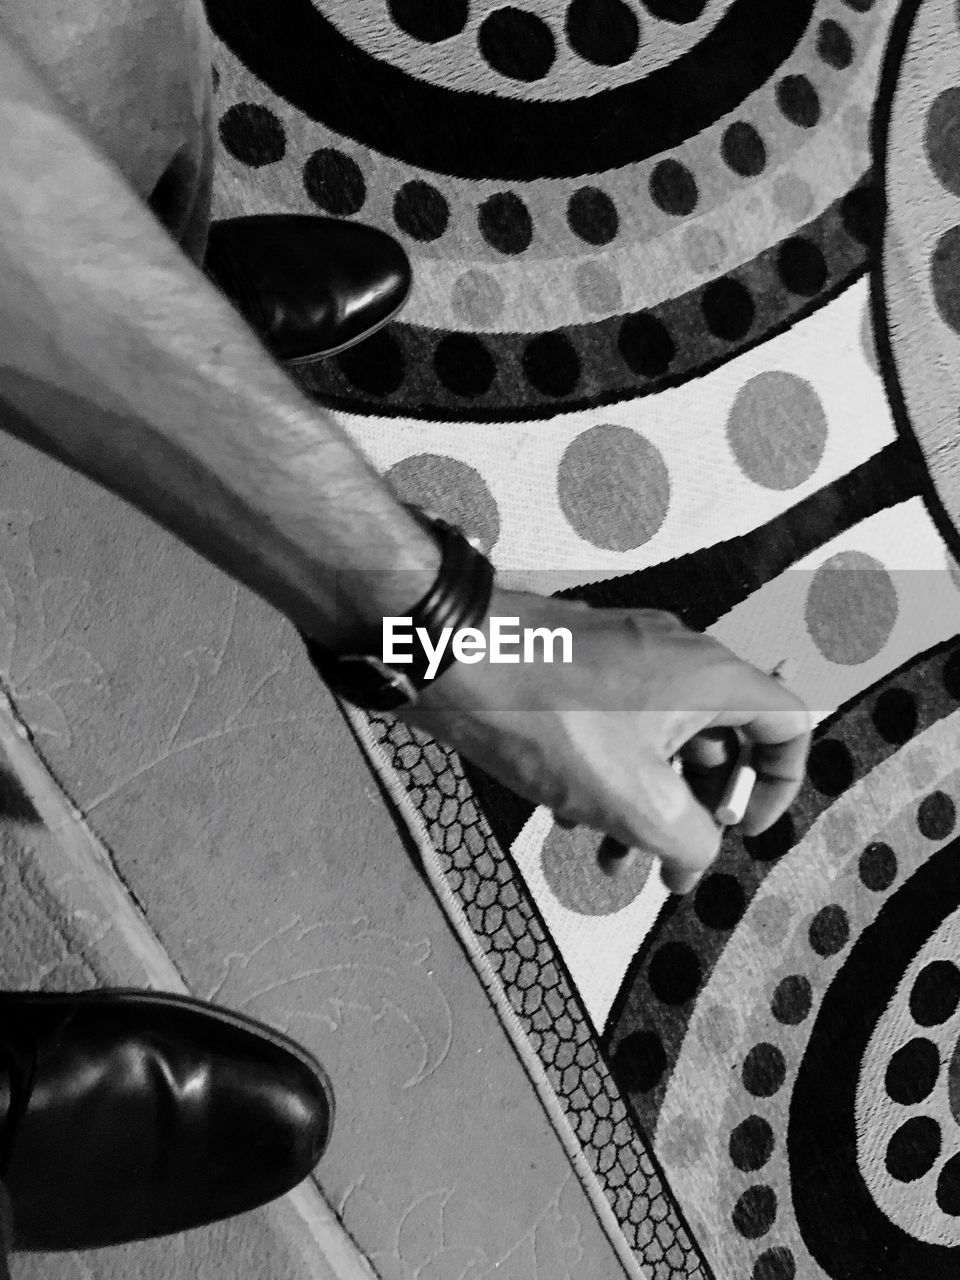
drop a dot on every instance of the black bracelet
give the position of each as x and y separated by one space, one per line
459 598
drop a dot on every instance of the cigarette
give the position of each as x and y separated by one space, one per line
736 794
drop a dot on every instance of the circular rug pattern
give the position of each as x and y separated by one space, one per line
597 212
808 994
506 49
602 198
917 291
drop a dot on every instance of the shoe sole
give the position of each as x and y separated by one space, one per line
297 362
162 999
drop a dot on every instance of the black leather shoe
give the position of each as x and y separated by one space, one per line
130 1114
309 287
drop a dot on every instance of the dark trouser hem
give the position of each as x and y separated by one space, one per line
6 1231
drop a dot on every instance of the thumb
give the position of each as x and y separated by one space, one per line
665 818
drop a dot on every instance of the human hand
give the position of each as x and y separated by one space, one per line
592 739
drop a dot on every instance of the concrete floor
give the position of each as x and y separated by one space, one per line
183 720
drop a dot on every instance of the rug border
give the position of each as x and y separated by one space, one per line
528 1059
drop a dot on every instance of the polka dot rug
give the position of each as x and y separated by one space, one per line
684 334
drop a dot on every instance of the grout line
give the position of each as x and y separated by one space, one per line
83 862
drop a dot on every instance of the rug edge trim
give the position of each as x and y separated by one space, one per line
531 1064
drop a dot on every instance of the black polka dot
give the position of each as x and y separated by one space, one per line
861 215
646 345
751 1144
936 993
674 973
951 675
913 1149
772 843
334 183
940 137
673 188
592 216
215 79
894 715
774 1264
944 276
639 1061
551 364
517 43
798 101
829 930
421 211
834 45
719 901
254 135
505 223
743 150
464 365
755 1212
859 6
878 866
936 816
376 366
764 1070
430 20
678 11
912 1072
792 999
948 1187
830 766
801 266
728 309
605 32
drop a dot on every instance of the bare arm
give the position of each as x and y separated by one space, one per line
118 357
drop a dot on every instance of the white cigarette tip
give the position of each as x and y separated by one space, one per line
733 806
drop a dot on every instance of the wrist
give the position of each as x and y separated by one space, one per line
354 599
387 667
468 683
364 597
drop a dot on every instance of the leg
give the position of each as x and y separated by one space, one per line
181 199
6 1232
136 74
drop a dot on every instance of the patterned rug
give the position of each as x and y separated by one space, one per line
685 333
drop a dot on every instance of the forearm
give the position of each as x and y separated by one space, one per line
119 358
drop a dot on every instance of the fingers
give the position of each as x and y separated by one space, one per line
670 813
710 750
780 768
614 858
667 819
778 732
709 760
677 881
